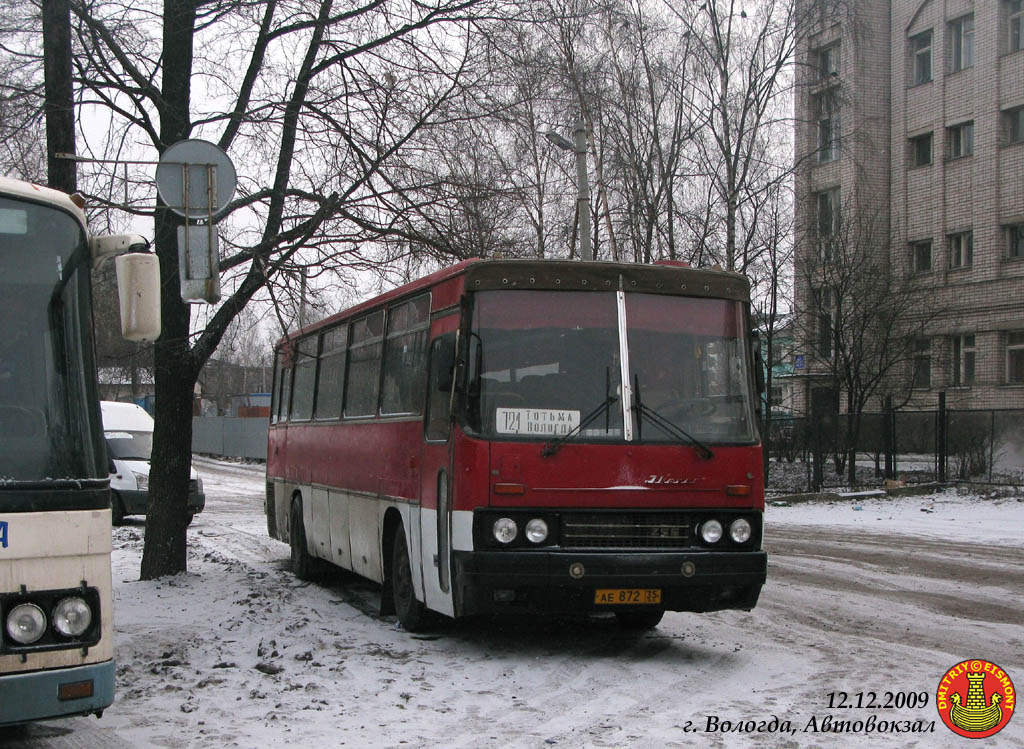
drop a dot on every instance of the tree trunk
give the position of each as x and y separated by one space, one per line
174 372
59 106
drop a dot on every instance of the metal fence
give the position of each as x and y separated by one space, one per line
230 436
919 446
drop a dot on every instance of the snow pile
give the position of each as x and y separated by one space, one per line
238 652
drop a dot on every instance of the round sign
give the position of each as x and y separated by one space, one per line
196 179
975 699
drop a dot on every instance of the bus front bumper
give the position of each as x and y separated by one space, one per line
496 581
59 693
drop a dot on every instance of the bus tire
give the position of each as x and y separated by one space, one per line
116 509
303 565
411 613
638 621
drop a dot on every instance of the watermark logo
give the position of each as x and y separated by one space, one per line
975 699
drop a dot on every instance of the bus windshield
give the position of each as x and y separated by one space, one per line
46 369
542 362
688 358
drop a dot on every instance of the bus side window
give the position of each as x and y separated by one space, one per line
331 377
304 378
439 385
365 349
275 392
285 399
405 350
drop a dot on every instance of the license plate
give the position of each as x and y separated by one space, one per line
627 596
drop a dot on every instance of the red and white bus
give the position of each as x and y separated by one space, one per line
509 435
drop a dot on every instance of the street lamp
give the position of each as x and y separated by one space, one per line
579 147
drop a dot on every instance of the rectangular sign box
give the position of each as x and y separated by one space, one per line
540 422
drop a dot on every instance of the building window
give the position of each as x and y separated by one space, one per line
1015 23
828 216
826 110
921 48
921 256
961 37
1015 240
922 364
921 150
963 360
961 249
1014 119
823 311
961 140
828 61
1015 358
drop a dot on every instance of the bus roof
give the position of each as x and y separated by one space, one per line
17 189
565 275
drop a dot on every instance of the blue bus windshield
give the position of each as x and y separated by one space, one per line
47 375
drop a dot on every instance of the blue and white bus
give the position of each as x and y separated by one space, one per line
56 641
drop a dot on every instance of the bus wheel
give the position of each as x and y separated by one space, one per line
411 613
116 509
638 621
302 562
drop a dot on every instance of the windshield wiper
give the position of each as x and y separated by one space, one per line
661 422
555 445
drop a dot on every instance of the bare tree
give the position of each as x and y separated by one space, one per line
864 314
22 151
742 62
771 279
319 104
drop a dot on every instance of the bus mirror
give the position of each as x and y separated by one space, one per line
116 244
759 367
138 289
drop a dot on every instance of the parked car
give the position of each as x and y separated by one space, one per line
129 432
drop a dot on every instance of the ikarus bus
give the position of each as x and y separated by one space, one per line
56 623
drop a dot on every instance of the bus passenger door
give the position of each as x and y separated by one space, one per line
435 494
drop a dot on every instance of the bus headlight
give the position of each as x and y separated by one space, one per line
26 623
505 530
537 531
72 617
711 531
142 480
739 531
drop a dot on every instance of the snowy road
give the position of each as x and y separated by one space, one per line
882 599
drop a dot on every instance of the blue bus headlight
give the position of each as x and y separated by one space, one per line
505 530
72 617
26 623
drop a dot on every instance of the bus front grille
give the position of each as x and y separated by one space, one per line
625 530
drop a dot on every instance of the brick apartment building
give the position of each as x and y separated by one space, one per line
912 112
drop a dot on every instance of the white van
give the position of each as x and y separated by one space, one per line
129 432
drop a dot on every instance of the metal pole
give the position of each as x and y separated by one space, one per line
583 188
942 437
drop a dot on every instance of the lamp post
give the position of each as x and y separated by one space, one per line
579 147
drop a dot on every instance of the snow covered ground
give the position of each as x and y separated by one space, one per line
238 652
